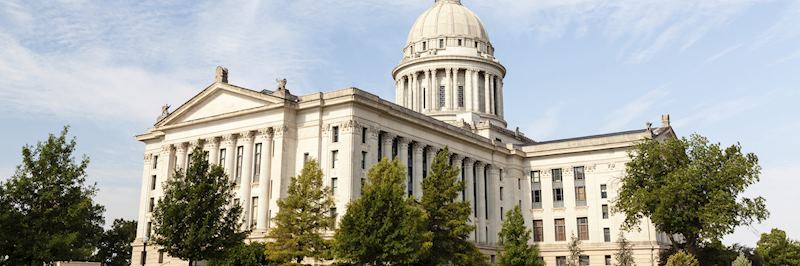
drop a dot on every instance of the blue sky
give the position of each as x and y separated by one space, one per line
728 69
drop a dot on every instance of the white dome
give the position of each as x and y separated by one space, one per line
447 18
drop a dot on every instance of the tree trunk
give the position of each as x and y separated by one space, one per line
190 262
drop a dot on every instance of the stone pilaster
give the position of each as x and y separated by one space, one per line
419 148
265 135
180 152
246 140
388 139
229 143
470 188
402 153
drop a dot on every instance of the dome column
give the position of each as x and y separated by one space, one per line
448 90
426 97
468 89
499 97
487 93
492 85
476 101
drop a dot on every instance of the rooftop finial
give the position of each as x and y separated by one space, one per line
448 1
665 120
221 75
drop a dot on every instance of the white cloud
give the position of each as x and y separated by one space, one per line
621 117
718 110
544 127
723 53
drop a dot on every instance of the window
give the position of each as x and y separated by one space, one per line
424 46
558 194
605 211
501 213
147 230
603 191
335 134
556 175
257 164
561 261
239 157
493 259
538 231
460 42
501 175
363 135
155 162
583 261
608 260
476 44
152 205
334 158
334 184
607 234
205 156
441 43
579 173
305 158
425 164
561 230
222 158
334 215
580 195
460 96
537 199
583 228
254 212
441 96
501 193
363 160
153 182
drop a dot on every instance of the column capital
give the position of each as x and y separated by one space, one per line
388 135
403 141
469 161
458 157
166 149
228 140
181 147
246 136
148 157
196 143
419 148
280 131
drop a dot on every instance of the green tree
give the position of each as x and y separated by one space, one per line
514 237
448 218
383 227
690 187
624 254
741 261
251 254
196 219
575 251
46 207
682 259
774 249
304 215
114 248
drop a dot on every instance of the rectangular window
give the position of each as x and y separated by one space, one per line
556 175
460 42
239 158
607 234
608 260
561 261
441 43
155 162
603 191
584 260
363 181
305 157
558 194
605 211
583 228
424 46
363 160
561 230
257 164
147 230
334 185
501 213
537 199
460 96
501 193
152 205
222 158
335 134
580 195
579 173
334 215
334 158
519 183
363 135
153 182
254 212
441 96
538 231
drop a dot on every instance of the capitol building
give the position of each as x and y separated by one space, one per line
449 91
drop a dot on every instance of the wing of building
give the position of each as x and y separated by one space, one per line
449 92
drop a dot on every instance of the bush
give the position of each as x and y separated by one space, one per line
682 259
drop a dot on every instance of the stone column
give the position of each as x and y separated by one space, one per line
448 89
213 150
265 135
372 146
246 140
397 89
144 196
499 100
455 88
402 153
180 152
469 178
426 97
417 175
494 203
388 138
491 95
487 94
457 159
476 101
415 91
229 143
279 180
481 202
468 89
435 90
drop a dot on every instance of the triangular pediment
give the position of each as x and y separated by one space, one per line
218 100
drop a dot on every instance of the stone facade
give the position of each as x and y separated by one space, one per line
262 138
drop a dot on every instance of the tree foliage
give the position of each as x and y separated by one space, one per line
383 227
303 216
196 219
690 187
448 218
514 237
774 249
251 254
575 251
46 208
682 258
114 248
624 254
741 260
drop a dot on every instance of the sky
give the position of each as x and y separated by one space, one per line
726 69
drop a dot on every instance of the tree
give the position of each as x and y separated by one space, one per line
251 254
383 227
682 259
575 252
624 254
196 219
46 208
514 237
303 216
448 218
115 244
690 188
741 261
774 248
